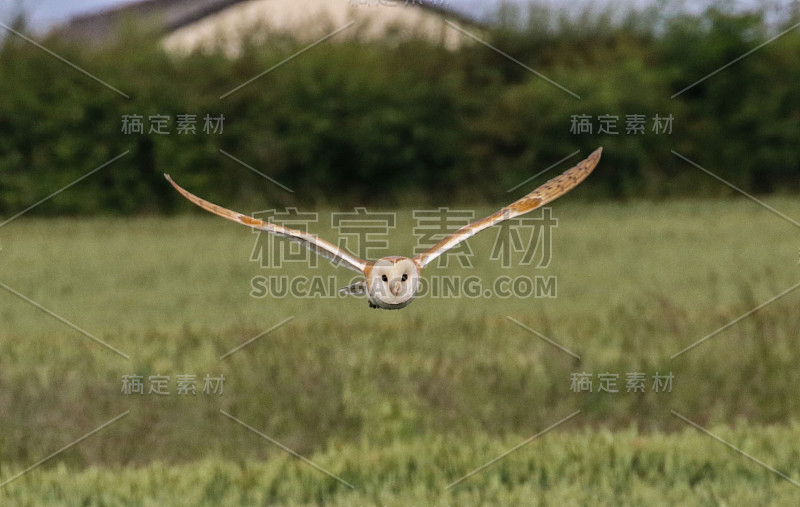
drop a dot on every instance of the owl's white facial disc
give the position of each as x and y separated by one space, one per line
393 282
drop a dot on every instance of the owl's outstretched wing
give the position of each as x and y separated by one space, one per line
546 193
319 246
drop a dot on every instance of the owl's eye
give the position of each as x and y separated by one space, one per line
405 277
385 278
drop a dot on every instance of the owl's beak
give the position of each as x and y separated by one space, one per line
396 287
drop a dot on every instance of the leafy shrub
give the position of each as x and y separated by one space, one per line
405 121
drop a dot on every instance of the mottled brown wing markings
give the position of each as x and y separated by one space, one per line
313 243
251 221
559 185
542 195
526 204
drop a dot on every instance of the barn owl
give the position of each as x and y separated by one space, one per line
392 282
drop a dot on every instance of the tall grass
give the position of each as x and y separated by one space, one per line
636 284
565 467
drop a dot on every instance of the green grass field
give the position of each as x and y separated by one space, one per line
402 404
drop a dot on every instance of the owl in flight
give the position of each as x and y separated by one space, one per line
392 282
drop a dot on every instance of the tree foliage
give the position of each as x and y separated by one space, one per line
405 121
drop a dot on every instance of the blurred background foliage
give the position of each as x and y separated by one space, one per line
405 121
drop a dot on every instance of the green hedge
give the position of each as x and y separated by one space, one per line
405 122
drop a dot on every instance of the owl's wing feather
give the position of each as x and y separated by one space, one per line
313 243
544 194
